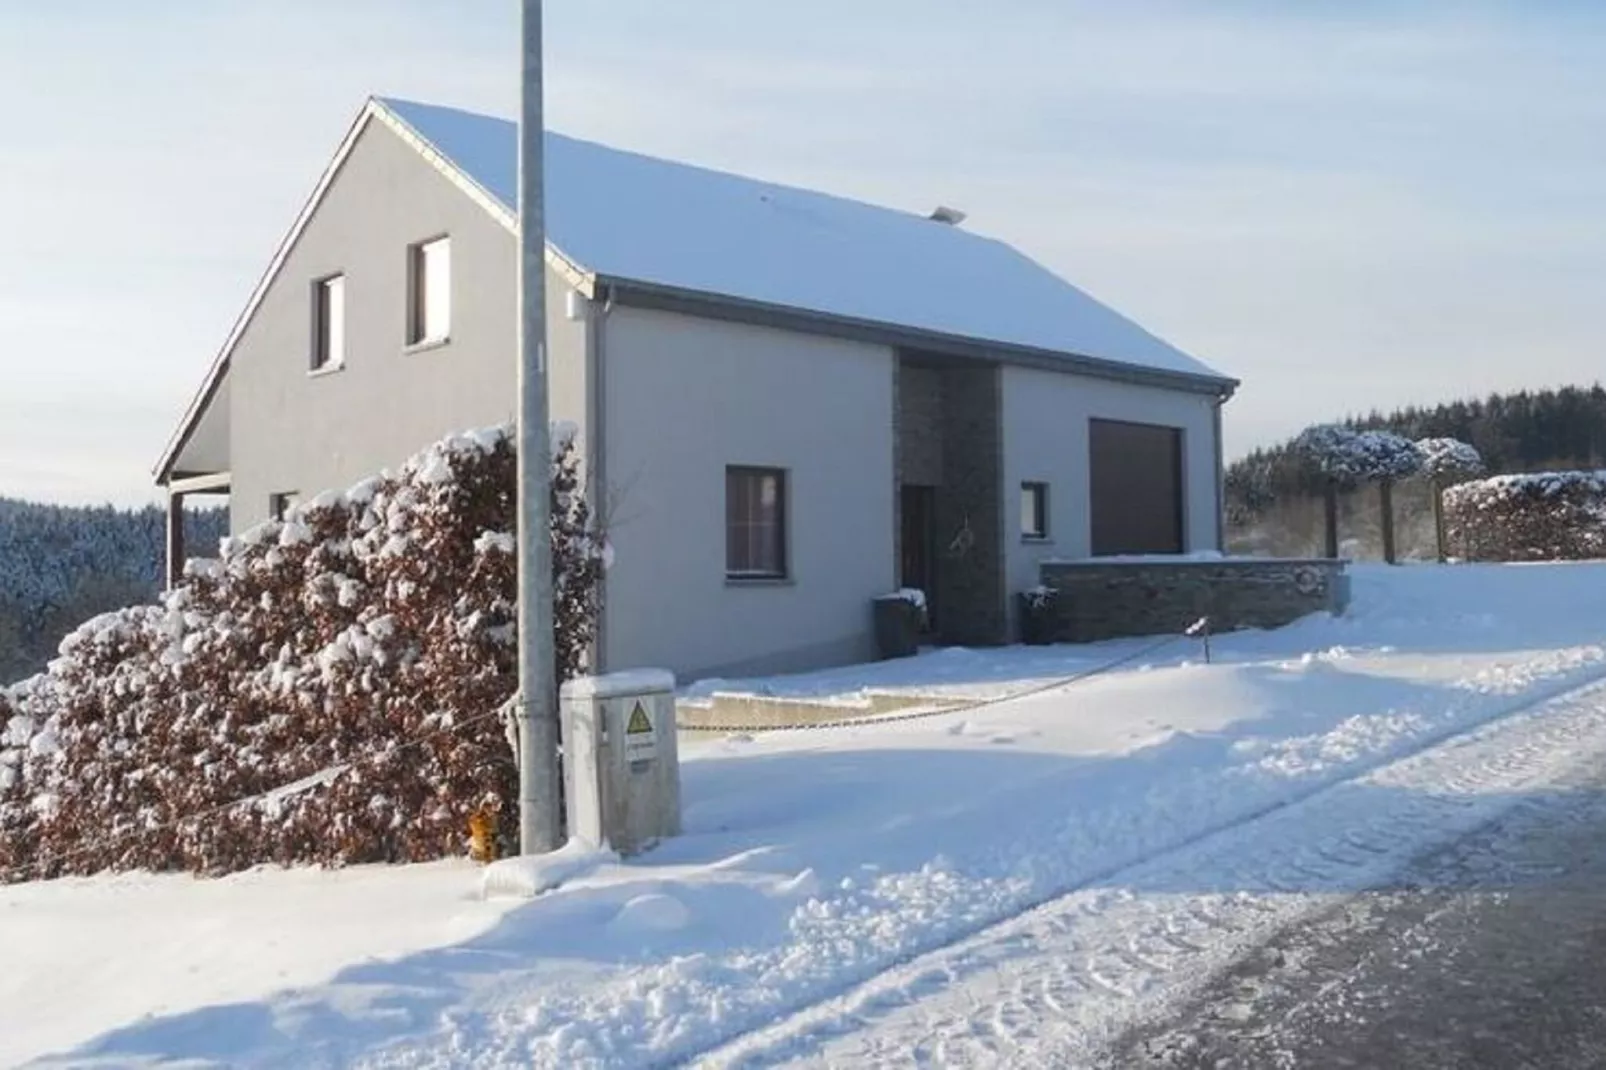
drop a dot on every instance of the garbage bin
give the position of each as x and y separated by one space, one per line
899 620
1037 617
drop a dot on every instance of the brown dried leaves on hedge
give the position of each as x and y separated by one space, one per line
1545 516
359 652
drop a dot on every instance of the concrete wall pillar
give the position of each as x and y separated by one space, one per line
175 538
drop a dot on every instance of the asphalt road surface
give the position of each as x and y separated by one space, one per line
1488 954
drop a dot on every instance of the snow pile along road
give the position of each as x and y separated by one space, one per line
815 861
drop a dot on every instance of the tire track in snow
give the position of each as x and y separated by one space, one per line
1070 972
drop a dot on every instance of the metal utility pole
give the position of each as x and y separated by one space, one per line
540 830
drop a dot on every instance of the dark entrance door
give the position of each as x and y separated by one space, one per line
919 541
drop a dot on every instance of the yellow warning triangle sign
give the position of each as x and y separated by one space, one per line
639 724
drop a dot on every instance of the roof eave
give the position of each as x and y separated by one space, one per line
373 108
571 271
640 294
203 397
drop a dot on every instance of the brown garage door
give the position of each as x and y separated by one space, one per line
1137 488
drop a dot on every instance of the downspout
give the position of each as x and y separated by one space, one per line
597 451
1221 474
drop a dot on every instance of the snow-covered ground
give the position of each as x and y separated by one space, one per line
815 862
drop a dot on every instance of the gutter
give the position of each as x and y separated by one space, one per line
717 306
1221 474
598 308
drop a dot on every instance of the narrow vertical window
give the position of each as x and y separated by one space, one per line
329 323
755 523
280 504
429 301
1034 510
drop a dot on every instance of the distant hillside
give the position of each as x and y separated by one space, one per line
61 565
1524 432
1269 498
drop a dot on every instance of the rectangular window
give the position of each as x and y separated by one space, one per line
755 523
280 504
1136 492
329 323
1034 510
429 292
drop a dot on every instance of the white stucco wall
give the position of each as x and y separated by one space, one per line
683 398
1045 420
291 430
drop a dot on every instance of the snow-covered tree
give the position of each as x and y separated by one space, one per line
61 565
1348 457
1344 458
1446 462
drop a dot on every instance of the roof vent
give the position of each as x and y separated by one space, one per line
943 214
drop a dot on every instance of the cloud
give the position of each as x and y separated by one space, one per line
1348 205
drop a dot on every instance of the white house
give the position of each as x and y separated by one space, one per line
788 402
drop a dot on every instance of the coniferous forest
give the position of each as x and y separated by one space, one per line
1274 505
61 565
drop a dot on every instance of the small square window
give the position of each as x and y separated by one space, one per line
429 292
1034 510
329 323
280 504
755 523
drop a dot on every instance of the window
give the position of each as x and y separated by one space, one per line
280 504
329 323
1136 488
1034 510
429 292
755 523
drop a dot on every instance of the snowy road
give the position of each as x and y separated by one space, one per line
1488 953
1065 984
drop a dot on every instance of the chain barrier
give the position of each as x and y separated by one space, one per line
1199 630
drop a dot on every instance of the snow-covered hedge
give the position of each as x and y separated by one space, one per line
359 651
1546 516
1348 457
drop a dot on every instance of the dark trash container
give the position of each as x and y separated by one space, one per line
899 620
1037 617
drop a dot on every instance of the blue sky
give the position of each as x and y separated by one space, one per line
1347 205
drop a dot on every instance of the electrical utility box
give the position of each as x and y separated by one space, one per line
621 767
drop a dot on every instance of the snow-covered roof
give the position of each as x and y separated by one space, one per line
627 217
637 221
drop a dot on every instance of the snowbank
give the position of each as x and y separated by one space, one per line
812 860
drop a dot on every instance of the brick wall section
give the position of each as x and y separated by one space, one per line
971 577
920 424
1109 600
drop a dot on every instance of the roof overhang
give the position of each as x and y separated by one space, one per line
651 295
715 306
372 111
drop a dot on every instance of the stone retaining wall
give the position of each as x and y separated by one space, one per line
1110 599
